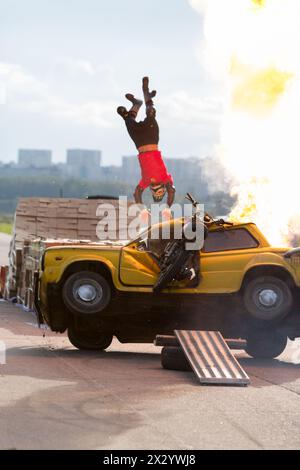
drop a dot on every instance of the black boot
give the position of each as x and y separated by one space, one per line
147 94
122 111
136 104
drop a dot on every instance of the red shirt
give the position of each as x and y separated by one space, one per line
153 169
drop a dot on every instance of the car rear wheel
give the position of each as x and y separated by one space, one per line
268 298
266 344
173 358
89 340
86 293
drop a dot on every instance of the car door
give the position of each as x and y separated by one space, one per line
224 256
137 267
139 261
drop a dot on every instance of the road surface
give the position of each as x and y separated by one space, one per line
56 397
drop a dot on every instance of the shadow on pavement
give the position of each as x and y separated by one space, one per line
272 371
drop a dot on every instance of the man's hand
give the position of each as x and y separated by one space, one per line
166 214
144 216
171 194
138 195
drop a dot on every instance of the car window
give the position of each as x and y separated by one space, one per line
229 240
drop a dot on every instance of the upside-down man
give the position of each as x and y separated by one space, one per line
145 135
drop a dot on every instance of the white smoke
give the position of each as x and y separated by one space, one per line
252 48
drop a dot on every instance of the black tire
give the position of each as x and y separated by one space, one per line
266 344
168 274
89 340
173 358
265 290
86 293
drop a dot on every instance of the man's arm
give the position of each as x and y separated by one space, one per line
138 194
171 194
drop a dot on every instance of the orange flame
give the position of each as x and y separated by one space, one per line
258 90
259 3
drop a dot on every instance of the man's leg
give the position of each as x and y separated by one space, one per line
136 104
148 96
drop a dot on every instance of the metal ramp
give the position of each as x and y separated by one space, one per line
211 358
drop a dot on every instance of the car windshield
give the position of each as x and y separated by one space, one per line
143 235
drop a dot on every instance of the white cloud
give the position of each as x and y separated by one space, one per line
190 109
3 93
198 5
79 99
17 79
30 94
76 65
27 93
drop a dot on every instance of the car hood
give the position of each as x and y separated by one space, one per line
87 244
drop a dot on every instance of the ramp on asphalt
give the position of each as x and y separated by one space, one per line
210 358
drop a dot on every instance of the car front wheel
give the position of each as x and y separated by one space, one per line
268 298
86 293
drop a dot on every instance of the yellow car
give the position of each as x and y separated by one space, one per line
248 289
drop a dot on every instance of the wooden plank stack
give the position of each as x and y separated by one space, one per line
43 222
64 218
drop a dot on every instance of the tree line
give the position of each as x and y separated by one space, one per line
12 188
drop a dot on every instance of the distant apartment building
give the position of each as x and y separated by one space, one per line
130 169
180 168
111 173
34 158
190 174
187 173
82 157
83 163
184 168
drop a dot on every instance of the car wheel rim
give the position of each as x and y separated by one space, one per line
268 298
88 293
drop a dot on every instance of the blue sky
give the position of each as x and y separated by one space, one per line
65 66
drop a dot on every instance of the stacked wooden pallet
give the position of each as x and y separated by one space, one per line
43 222
68 218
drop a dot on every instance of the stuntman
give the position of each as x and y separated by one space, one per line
145 135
